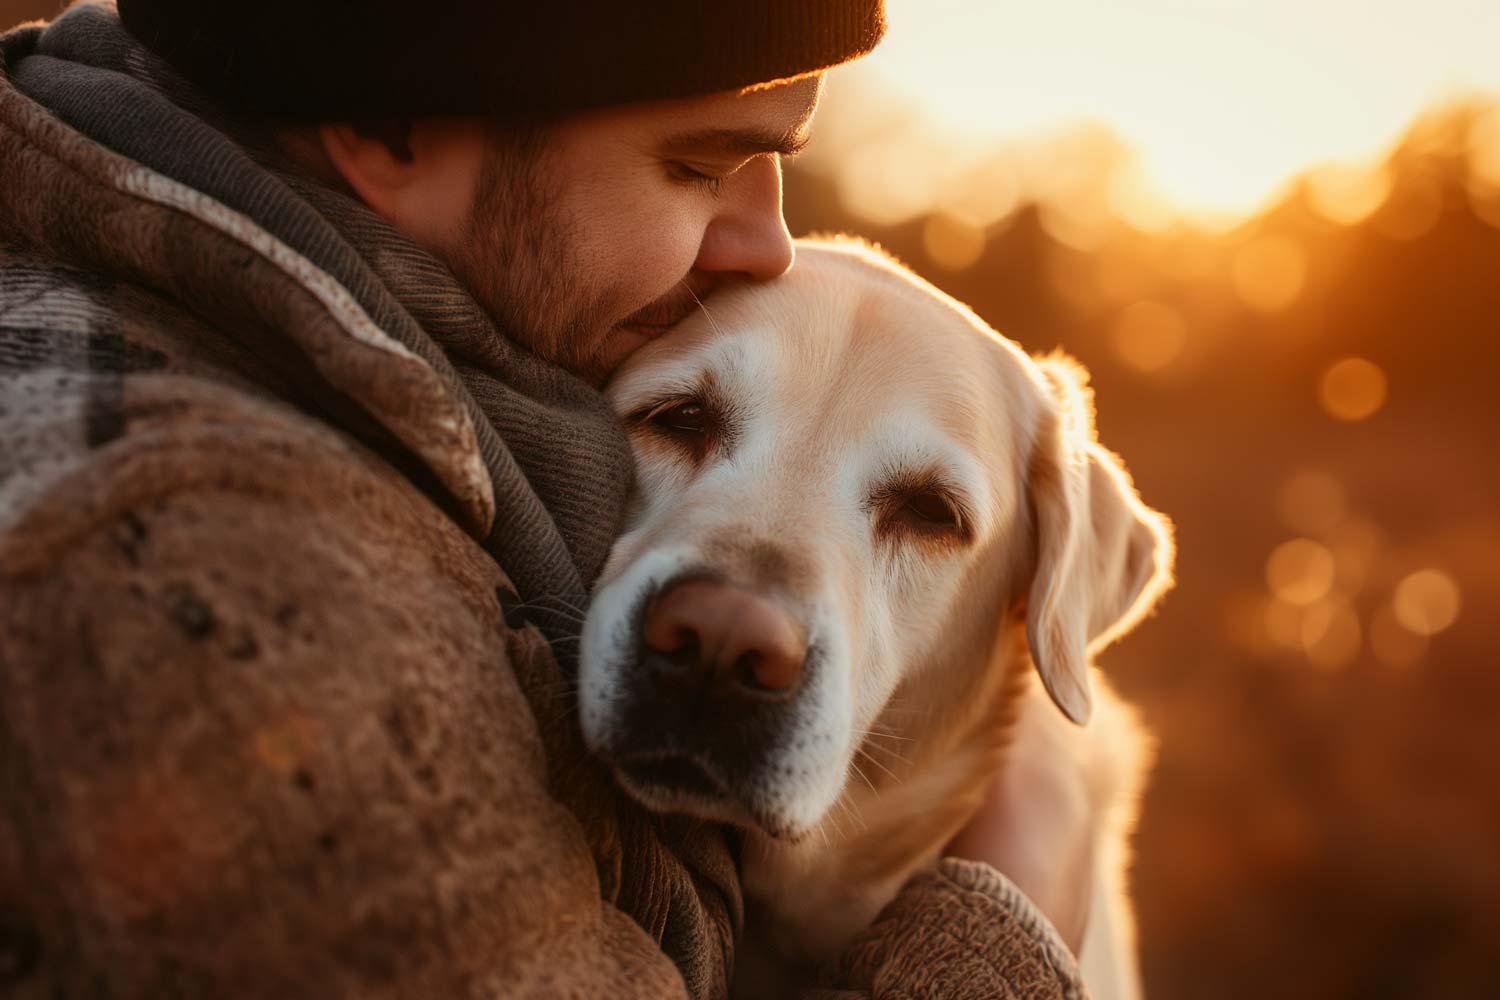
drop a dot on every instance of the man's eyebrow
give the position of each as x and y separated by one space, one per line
742 141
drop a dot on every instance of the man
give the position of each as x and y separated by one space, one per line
303 480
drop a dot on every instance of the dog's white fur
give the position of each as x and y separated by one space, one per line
836 381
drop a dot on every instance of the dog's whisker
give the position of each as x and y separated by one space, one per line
858 820
833 818
878 764
553 604
711 321
884 735
891 752
562 611
876 741
854 764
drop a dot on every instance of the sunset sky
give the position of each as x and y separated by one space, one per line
1226 99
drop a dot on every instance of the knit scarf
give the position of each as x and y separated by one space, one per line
558 464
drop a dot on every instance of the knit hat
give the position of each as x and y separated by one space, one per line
320 60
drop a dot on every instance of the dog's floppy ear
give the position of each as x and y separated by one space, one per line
1102 557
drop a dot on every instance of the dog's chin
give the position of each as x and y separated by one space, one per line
688 786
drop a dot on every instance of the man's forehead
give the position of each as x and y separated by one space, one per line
774 118
797 99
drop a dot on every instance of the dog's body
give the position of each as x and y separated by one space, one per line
865 525
807 900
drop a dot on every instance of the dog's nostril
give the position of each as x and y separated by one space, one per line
745 666
772 670
684 649
742 639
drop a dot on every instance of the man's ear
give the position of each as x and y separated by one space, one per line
419 175
1102 557
374 160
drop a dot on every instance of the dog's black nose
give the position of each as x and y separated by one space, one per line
718 632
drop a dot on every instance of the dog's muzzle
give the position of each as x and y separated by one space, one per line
707 704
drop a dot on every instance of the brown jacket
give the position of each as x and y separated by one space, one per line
274 720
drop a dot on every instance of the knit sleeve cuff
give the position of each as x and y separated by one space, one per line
961 931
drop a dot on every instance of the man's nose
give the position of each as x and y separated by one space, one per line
724 636
749 238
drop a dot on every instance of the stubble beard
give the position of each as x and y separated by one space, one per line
518 257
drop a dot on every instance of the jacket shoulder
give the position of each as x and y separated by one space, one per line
110 393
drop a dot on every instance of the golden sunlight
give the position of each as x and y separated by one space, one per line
1225 99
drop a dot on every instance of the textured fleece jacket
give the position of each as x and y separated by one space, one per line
282 516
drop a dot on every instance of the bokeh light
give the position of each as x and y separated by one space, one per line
887 183
1348 193
1412 208
1226 99
1253 223
1427 601
1483 179
1484 149
984 196
953 244
1300 571
1300 373
1352 389
1269 272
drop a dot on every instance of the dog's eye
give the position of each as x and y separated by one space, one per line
687 416
929 510
916 510
934 509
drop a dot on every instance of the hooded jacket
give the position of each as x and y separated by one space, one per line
288 532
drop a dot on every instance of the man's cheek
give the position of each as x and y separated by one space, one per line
666 234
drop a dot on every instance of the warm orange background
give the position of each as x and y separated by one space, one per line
1309 390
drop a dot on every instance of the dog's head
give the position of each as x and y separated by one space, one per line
848 485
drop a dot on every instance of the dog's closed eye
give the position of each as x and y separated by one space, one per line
922 507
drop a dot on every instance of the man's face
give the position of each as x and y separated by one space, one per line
599 234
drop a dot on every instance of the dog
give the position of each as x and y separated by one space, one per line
870 540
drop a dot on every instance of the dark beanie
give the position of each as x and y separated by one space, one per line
349 59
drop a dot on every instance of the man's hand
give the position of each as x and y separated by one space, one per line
1036 826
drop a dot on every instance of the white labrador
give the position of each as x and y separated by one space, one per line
863 518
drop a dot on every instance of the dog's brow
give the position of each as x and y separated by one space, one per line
742 141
